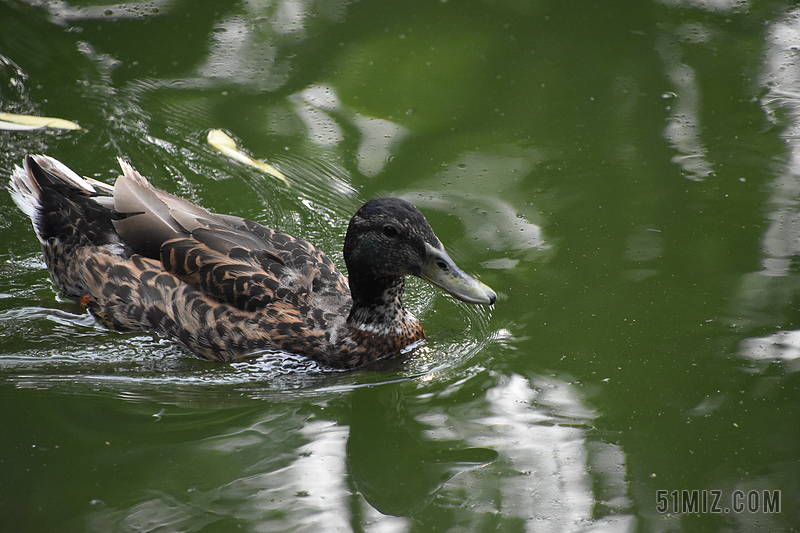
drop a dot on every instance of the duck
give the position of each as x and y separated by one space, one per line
227 288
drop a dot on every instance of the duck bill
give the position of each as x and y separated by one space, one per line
441 271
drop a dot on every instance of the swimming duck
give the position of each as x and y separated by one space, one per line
226 287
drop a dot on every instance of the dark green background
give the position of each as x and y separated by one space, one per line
624 174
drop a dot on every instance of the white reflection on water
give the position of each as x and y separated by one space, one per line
512 231
240 52
309 489
321 111
314 106
709 5
540 430
780 346
494 222
521 457
782 77
550 457
379 138
773 288
683 128
64 12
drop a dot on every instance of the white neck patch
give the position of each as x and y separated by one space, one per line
379 329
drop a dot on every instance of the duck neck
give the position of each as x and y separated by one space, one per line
378 305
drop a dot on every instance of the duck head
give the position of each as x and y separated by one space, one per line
389 238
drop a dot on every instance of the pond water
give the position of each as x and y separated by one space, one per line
623 174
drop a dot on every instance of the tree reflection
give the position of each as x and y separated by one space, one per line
396 467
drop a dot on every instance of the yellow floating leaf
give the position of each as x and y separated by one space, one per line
13 126
222 142
10 121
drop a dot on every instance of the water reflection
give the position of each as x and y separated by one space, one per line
495 223
321 111
683 129
467 188
763 293
709 5
401 471
540 428
242 52
377 458
781 105
63 12
781 346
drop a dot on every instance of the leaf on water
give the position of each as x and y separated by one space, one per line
10 121
222 142
11 126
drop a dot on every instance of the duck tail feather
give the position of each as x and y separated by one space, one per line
43 181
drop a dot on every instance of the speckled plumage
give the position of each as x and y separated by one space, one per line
227 287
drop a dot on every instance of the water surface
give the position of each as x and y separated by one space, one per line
623 174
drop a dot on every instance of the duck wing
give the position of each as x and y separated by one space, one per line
251 267
231 259
153 216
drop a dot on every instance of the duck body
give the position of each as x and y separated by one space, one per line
226 287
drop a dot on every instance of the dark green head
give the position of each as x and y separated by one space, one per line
389 238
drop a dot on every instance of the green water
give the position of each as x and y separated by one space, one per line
624 174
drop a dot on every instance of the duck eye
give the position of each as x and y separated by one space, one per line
442 265
390 231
